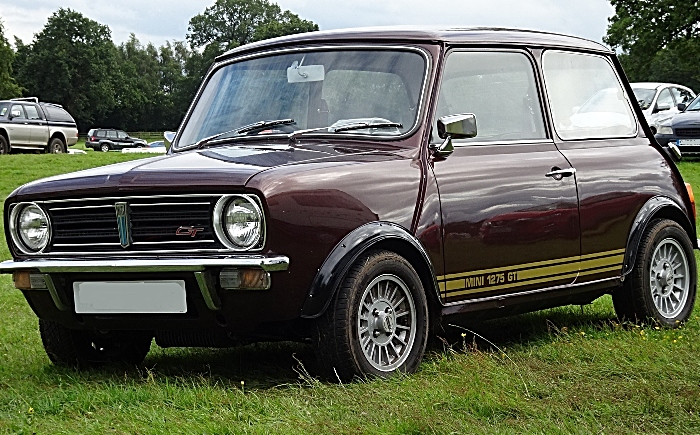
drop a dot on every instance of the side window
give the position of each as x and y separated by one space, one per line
121 135
17 111
586 97
665 100
499 88
111 134
32 113
682 96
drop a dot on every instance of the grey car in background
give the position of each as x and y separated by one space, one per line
25 123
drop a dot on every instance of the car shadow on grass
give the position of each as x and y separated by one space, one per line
270 365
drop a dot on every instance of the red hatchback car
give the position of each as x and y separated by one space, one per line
357 189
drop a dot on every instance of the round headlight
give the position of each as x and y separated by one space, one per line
242 222
31 227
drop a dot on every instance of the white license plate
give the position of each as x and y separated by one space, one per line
130 297
688 142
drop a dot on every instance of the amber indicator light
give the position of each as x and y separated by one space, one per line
22 280
689 188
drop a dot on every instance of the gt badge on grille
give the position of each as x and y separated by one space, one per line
123 224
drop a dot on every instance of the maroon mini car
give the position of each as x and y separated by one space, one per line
357 189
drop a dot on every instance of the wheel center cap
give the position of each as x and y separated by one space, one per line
388 324
665 277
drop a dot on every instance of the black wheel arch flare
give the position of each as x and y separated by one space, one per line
655 208
373 235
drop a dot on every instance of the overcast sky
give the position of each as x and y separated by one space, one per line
158 21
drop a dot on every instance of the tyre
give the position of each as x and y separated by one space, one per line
104 147
662 285
83 349
377 323
56 146
4 145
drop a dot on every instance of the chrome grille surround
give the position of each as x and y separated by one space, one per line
158 224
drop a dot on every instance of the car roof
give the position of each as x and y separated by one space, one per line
456 35
655 85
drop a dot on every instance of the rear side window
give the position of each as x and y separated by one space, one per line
32 113
499 88
586 97
57 114
111 134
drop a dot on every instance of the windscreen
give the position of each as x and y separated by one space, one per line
316 89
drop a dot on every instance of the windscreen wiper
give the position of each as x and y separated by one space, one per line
357 126
364 125
245 129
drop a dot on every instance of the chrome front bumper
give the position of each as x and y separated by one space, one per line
268 263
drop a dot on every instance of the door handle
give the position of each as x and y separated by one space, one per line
558 173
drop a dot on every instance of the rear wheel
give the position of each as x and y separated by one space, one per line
56 146
377 324
4 145
104 147
83 349
662 284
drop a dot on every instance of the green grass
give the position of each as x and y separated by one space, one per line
568 370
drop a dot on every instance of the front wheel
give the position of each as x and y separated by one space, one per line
663 282
82 349
56 146
377 324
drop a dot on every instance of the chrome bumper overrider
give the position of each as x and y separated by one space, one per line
267 263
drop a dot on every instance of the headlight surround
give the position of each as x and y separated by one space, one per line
665 129
30 228
239 222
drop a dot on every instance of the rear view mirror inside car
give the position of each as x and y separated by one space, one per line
307 73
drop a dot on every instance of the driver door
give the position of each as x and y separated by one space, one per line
509 224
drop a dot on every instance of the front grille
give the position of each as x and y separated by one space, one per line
154 224
688 132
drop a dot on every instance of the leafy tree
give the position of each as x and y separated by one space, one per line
8 85
73 62
659 40
231 23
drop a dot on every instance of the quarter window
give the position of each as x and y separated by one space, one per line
586 97
499 88
665 100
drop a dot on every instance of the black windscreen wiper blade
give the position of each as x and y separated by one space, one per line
246 128
364 125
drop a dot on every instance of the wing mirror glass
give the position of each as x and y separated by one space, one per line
681 107
462 126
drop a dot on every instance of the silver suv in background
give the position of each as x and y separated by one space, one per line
25 123
659 101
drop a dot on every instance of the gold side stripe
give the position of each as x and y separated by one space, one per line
529 265
570 267
534 281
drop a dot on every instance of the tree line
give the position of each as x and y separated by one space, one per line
73 61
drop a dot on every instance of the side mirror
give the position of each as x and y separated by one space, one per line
681 107
461 126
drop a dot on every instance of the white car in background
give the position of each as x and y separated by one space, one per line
157 147
659 101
